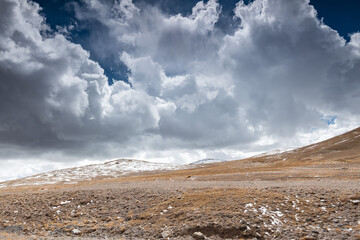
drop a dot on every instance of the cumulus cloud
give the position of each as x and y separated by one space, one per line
54 97
192 91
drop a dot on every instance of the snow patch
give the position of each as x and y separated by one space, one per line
105 170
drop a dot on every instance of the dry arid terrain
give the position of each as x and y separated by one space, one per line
308 193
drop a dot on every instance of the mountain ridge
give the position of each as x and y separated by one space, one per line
330 152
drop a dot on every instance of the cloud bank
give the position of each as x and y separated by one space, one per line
193 90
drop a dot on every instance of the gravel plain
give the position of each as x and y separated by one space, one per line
307 193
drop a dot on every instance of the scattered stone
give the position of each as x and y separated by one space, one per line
76 231
356 201
166 234
198 235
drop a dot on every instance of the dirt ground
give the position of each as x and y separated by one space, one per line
309 193
308 209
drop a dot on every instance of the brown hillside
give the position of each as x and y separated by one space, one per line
337 157
308 193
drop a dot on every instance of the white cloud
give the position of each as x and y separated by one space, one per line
55 97
195 92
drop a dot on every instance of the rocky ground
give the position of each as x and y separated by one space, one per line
308 193
311 209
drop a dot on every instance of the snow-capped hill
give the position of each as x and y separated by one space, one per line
105 170
207 160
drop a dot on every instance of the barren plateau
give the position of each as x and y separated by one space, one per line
307 193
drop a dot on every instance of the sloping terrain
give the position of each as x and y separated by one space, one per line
338 157
307 193
112 169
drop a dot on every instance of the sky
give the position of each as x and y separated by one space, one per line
87 81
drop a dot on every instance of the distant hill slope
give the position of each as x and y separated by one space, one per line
343 148
112 169
328 158
338 157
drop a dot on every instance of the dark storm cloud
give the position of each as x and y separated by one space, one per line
194 90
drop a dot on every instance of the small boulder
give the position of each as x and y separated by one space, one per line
198 235
76 231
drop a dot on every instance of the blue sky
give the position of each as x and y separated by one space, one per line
342 17
59 14
172 81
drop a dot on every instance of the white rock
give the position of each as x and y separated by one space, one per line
198 235
76 231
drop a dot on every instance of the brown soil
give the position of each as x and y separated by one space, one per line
309 193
